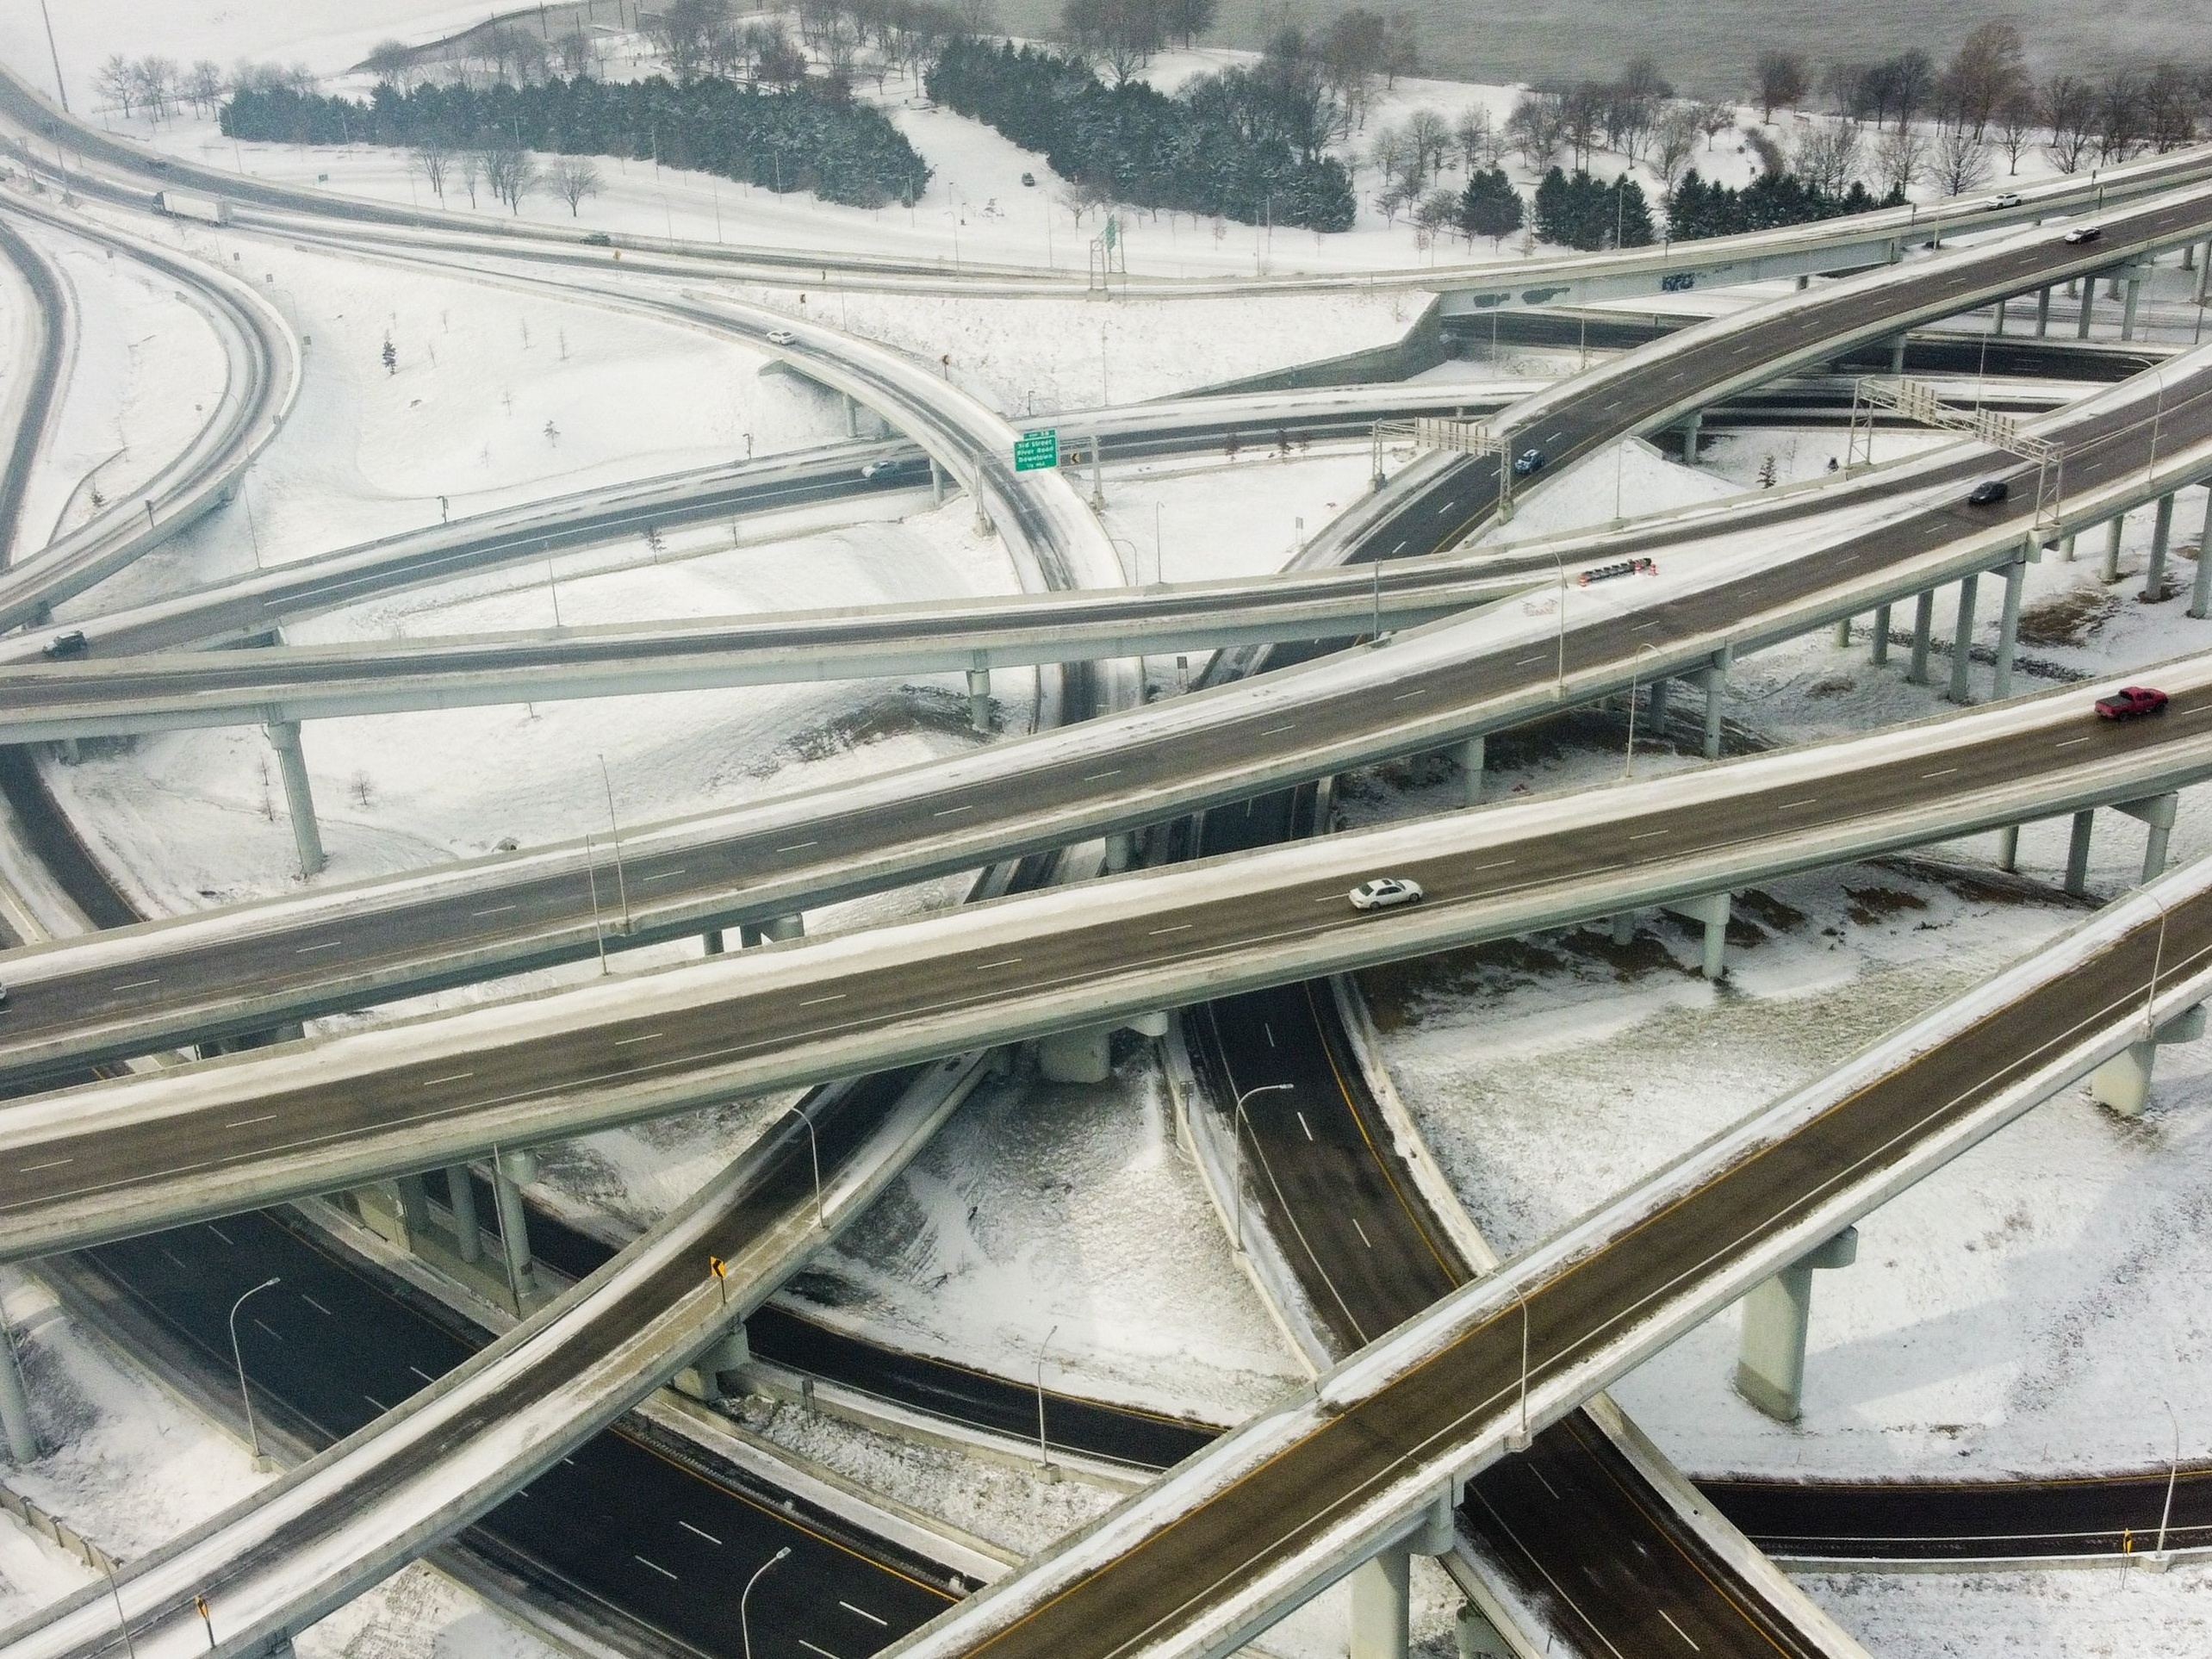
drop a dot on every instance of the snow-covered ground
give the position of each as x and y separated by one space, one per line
2086 1615
129 1466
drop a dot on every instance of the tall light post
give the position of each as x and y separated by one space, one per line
1044 1449
2173 1474
1628 766
1244 1126
2158 414
238 1354
814 1147
744 1621
54 53
1559 685
621 886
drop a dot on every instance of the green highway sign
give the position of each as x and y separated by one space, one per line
1034 449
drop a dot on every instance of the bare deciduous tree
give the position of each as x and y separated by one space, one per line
431 161
509 171
1900 160
1960 162
1784 78
574 178
1827 157
2069 110
1673 141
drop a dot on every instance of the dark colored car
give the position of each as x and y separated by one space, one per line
1989 493
1528 462
73 643
2081 233
1029 179
597 240
2129 701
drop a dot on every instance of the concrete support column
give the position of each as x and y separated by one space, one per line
1770 1369
461 1199
936 484
702 1379
2200 590
786 927
1998 327
851 417
2088 300
2129 305
1471 770
1623 928
1843 633
1121 852
2008 627
1476 1637
1656 710
414 1206
1082 1056
1962 639
299 795
1896 354
2203 271
2158 813
711 941
2066 549
1690 429
15 1403
509 1171
1382 1607
1711 909
2084 824
1716 683
1923 631
2123 1083
2008 847
979 699
1881 653
2161 533
2042 312
2112 531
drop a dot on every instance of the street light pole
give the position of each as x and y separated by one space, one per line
744 1622
238 1354
1244 1124
814 1147
1559 686
53 52
1044 1449
2173 1472
621 886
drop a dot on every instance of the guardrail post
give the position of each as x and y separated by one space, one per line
2008 626
2084 824
1924 633
1690 430
2088 300
15 1403
2200 590
2112 533
299 795
1962 638
2042 312
1881 652
1471 770
1381 1606
979 699
2157 812
509 1171
2123 1083
2161 533
1777 1313
461 1199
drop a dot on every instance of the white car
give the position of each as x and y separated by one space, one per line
2010 199
1385 893
782 337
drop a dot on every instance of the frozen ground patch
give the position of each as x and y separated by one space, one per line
2084 1615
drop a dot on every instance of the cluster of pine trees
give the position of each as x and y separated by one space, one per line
1577 211
1696 208
1240 144
795 139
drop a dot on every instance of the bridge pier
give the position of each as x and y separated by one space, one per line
979 699
1881 651
461 1199
2133 302
414 1207
2158 813
1998 326
2123 1083
2112 532
1381 1593
1121 851
1715 675
710 941
1471 770
1843 633
2008 626
298 794
786 927
2203 271
1655 712
509 1171
1923 630
1690 430
2076 881
1896 354
702 1379
15 1423
936 483
1476 1637
1711 909
2161 533
2088 300
2042 312
2008 848
1962 637
1777 1313
1086 1053
2200 590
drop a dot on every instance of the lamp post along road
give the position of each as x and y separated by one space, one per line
744 1620
1242 1127
238 1355
1044 1447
